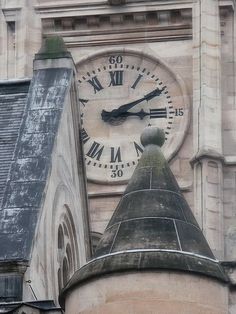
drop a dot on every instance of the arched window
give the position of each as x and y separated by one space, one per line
69 258
60 242
65 271
60 285
67 249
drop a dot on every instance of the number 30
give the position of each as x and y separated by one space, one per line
116 173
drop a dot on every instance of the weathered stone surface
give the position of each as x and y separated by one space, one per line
149 292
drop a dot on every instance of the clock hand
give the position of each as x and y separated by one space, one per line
141 114
154 113
107 115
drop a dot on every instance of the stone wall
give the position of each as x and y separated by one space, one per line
147 292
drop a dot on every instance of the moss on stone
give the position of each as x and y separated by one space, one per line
53 48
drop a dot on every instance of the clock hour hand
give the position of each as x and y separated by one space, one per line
107 115
141 114
154 113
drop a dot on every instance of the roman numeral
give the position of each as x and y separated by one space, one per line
116 78
95 84
115 154
84 136
137 81
83 101
138 149
158 113
95 151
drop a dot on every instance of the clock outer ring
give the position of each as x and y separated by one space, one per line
184 125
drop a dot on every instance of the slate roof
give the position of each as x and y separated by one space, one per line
30 117
13 95
153 227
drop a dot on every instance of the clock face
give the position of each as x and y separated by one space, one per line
120 93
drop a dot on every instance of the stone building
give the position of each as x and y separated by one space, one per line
71 118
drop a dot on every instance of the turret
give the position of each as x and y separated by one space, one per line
152 255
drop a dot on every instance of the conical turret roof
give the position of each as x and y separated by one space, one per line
152 227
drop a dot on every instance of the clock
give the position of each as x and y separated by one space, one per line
120 93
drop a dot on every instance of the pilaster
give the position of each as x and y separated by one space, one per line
207 130
20 35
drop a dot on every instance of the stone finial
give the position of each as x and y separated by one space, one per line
53 48
152 135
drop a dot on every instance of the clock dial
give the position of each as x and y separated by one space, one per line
120 93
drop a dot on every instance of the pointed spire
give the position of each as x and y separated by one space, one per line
152 227
154 218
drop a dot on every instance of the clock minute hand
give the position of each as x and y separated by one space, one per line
156 92
107 115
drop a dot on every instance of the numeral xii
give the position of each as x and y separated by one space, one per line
116 78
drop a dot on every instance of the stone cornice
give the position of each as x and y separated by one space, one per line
127 28
72 8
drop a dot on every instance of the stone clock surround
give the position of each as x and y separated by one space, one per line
149 73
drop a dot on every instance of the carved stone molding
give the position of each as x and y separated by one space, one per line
130 27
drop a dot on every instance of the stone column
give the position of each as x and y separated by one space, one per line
207 130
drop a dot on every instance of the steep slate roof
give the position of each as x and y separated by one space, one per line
27 139
152 227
